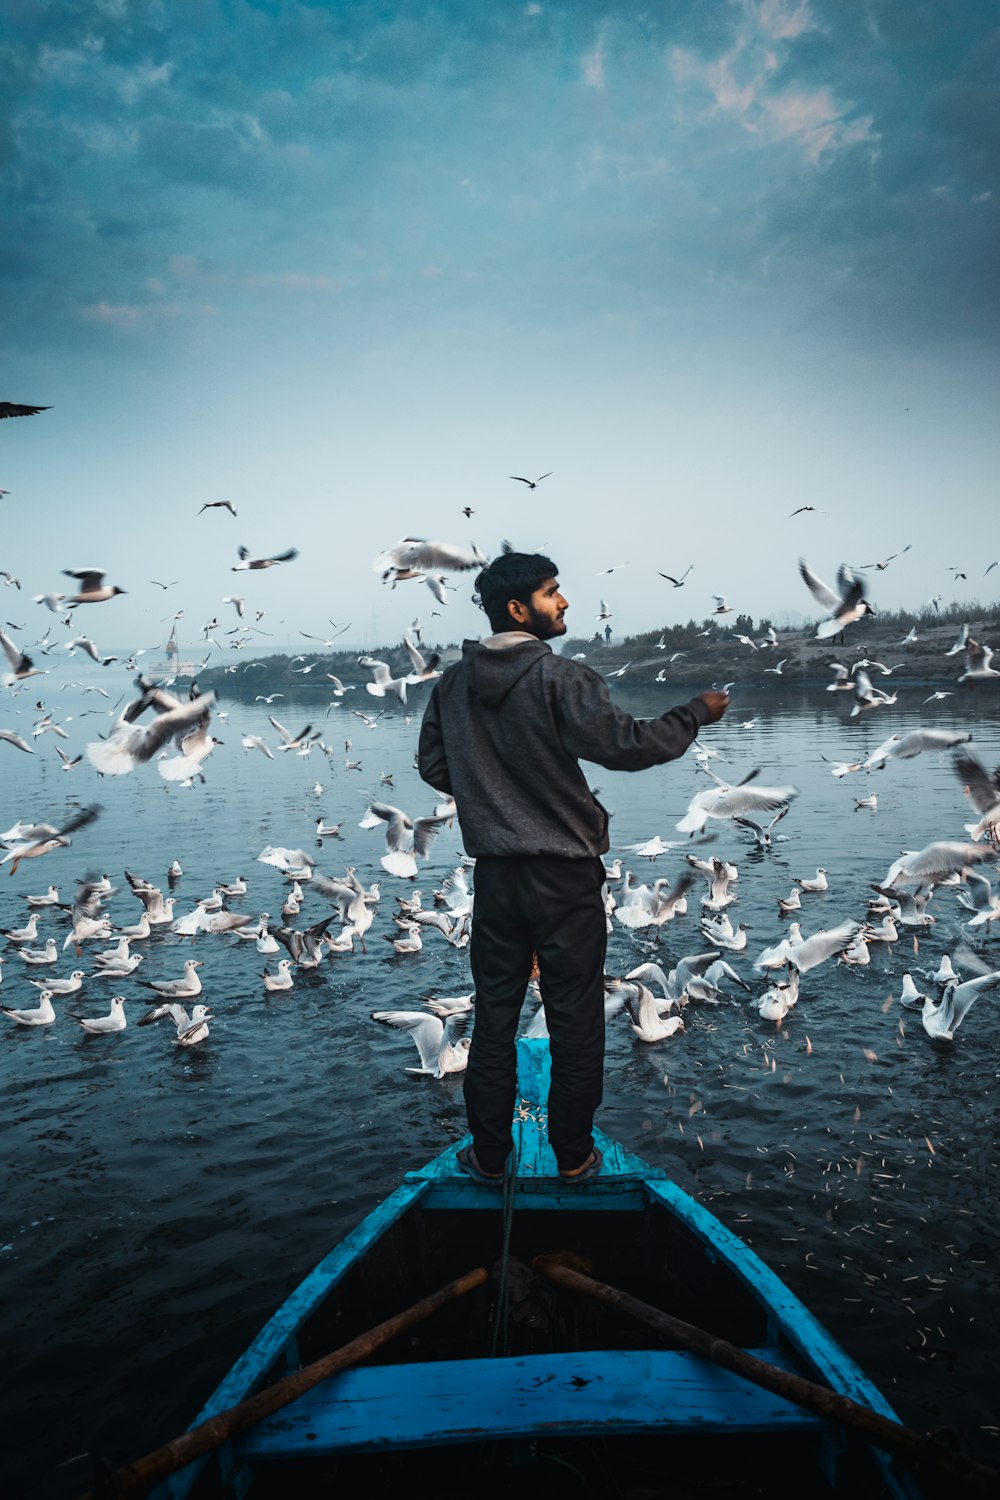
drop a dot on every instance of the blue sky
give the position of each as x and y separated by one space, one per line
350 266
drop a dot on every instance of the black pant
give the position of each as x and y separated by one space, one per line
550 906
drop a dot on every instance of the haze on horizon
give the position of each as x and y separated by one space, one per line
350 269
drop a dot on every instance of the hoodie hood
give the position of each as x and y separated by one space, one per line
492 673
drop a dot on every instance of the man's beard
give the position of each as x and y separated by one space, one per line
543 626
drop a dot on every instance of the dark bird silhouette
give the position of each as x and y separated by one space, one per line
12 409
531 483
678 583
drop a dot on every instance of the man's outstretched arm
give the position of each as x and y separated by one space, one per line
593 728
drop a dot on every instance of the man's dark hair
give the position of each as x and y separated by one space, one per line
512 575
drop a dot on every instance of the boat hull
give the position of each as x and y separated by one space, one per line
559 1385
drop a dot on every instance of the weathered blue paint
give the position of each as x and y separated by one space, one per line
427 1404
458 1401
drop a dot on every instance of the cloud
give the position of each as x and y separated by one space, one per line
747 82
131 317
593 65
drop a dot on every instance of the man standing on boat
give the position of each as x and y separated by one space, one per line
503 732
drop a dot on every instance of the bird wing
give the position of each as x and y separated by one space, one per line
425 831
823 945
942 859
419 665
820 591
399 832
426 1032
984 789
90 578
979 896
744 799
442 555
184 718
83 817
964 994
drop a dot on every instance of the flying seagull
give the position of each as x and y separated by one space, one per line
845 604
531 483
246 561
12 409
678 583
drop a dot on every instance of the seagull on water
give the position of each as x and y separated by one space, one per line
191 1029
42 1015
942 1018
643 1014
440 1043
113 1021
280 981
51 898
761 834
178 989
61 986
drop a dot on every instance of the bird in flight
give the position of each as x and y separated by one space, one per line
884 562
678 583
219 505
468 512
246 561
807 507
531 483
12 409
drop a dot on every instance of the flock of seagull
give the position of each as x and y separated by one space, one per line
178 737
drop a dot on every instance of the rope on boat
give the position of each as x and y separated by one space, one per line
500 1343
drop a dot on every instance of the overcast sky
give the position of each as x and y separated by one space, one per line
351 266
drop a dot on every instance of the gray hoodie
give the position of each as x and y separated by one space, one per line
503 733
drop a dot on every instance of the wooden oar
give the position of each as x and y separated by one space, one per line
918 1450
140 1476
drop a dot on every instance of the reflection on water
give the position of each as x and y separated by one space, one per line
160 1202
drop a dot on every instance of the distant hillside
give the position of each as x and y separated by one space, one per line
244 679
704 653
710 652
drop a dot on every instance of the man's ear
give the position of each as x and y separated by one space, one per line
516 610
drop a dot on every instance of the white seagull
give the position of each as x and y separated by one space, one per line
113 1021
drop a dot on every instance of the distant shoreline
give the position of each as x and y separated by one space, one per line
704 662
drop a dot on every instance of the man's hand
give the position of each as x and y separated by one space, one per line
716 703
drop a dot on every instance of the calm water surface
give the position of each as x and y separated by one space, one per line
160 1202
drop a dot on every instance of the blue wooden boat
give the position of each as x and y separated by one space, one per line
583 1401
